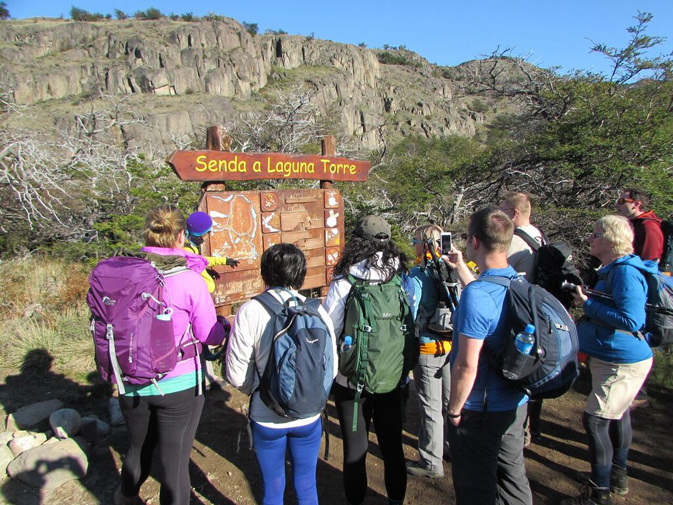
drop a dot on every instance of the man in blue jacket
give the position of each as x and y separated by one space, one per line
486 413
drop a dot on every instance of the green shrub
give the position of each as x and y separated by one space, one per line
77 14
151 14
389 58
252 28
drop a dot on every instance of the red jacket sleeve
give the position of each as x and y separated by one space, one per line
651 241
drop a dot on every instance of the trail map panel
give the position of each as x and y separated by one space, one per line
248 222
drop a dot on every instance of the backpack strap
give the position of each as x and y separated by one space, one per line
638 334
362 332
532 297
529 240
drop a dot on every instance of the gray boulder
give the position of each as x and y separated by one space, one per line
24 441
65 423
52 465
33 417
6 458
5 437
102 427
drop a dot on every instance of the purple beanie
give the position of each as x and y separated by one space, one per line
199 223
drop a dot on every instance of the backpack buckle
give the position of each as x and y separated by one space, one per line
367 328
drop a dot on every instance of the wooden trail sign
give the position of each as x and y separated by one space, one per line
217 166
246 223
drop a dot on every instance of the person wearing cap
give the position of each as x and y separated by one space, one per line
369 255
198 225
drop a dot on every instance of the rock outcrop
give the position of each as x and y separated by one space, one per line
168 61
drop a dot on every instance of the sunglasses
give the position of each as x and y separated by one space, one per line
622 201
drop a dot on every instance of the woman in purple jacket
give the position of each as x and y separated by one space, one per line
167 416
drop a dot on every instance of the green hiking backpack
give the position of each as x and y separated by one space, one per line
384 349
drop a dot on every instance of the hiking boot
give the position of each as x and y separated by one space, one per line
415 468
619 480
120 499
590 495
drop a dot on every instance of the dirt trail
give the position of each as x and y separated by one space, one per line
224 471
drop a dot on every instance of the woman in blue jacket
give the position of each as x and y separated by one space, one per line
620 358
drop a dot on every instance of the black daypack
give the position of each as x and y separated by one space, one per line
448 295
554 265
551 367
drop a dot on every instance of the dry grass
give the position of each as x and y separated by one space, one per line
42 307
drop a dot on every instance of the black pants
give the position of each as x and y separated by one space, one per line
386 410
609 444
168 422
487 458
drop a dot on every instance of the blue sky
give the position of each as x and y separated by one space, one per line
550 33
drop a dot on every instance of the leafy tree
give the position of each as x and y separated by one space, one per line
151 14
579 137
121 15
418 182
4 11
77 14
252 28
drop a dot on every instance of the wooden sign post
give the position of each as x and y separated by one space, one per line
248 222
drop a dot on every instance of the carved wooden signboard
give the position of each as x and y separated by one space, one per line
226 166
248 222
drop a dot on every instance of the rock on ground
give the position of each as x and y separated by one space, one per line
5 437
65 422
33 417
24 441
6 458
50 466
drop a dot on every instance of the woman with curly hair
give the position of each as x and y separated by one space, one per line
369 256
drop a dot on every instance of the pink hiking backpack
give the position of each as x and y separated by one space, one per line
131 319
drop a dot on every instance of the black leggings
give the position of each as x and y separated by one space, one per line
609 443
386 411
168 422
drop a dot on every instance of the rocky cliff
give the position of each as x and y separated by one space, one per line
179 76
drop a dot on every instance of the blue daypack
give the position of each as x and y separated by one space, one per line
551 367
298 375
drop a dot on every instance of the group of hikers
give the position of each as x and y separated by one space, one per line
383 321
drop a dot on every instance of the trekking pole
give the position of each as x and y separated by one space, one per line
570 287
